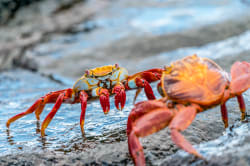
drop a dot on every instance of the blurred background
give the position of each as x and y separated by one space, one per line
45 45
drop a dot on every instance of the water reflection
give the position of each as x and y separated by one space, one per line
9 137
38 127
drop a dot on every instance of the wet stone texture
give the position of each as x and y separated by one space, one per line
59 47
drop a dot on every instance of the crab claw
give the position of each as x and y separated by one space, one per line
142 80
120 97
104 100
147 88
83 100
240 73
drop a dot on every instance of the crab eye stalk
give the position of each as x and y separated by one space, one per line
167 69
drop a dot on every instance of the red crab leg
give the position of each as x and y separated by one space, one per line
83 100
224 115
138 91
179 123
242 106
39 105
39 110
120 97
141 109
104 99
30 110
147 124
136 118
52 113
142 80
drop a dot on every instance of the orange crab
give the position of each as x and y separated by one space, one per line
98 82
188 86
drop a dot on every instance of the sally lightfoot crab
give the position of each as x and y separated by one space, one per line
98 82
188 86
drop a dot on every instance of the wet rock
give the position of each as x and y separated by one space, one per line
30 28
8 8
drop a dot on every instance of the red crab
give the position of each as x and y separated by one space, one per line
99 82
189 86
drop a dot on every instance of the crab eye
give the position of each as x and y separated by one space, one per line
167 69
87 72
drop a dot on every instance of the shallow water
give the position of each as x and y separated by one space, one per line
20 89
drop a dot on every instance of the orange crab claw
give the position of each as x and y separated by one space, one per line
120 97
83 100
240 73
104 99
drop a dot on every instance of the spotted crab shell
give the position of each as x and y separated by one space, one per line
194 79
101 71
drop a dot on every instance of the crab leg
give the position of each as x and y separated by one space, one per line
147 88
142 80
147 124
83 100
103 94
138 91
29 111
52 113
242 106
141 109
224 114
39 105
179 123
120 97
39 110
141 122
240 73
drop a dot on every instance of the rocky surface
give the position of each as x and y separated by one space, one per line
28 42
158 148
220 147
8 8
34 24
